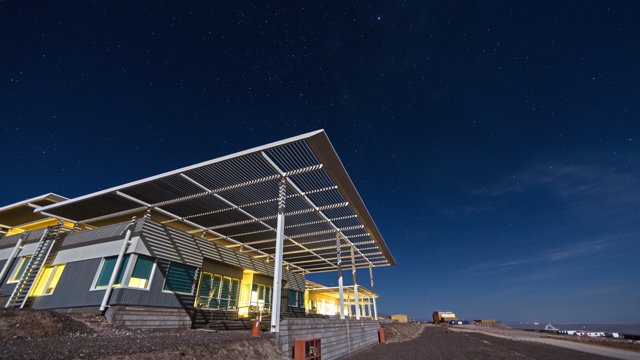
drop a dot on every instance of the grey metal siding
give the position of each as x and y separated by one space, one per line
7 289
10 241
154 296
167 243
100 235
73 289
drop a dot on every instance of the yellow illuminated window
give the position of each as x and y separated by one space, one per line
19 270
141 275
48 280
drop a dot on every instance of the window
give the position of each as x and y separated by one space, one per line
180 278
260 295
48 280
204 289
141 275
296 298
104 275
19 269
218 292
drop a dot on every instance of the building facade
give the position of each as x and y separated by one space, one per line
230 238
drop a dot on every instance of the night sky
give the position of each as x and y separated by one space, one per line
496 144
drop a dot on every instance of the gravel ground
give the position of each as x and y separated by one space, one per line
435 343
26 334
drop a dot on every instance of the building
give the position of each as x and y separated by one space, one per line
325 300
233 237
401 318
443 316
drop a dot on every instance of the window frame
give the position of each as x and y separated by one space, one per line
126 275
194 283
22 261
47 283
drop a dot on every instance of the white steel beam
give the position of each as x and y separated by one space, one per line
116 269
355 284
277 266
373 290
340 284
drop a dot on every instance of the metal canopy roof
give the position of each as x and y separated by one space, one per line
233 200
21 213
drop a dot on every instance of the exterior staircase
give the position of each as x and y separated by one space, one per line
43 256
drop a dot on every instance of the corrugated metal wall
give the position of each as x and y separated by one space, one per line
73 289
154 296
168 243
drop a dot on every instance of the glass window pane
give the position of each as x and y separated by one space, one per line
141 275
42 281
224 293
267 296
233 293
204 289
215 292
292 297
107 269
54 280
22 266
180 278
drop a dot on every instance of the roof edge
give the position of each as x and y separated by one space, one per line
182 169
35 198
320 143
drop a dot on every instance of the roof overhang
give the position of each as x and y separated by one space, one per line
21 213
233 200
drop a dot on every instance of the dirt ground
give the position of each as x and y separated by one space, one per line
402 332
26 334
435 343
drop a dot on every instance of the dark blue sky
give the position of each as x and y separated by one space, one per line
496 145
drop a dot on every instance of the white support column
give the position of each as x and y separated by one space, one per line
277 264
340 282
116 269
369 310
355 284
348 305
373 290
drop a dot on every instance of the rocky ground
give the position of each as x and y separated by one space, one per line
27 334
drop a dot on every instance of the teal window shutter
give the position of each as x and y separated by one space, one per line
233 297
180 278
107 269
224 293
267 295
292 298
205 288
215 292
143 267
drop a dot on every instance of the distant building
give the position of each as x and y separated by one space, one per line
443 316
401 318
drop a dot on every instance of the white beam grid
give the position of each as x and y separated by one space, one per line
255 203
196 194
309 201
219 197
